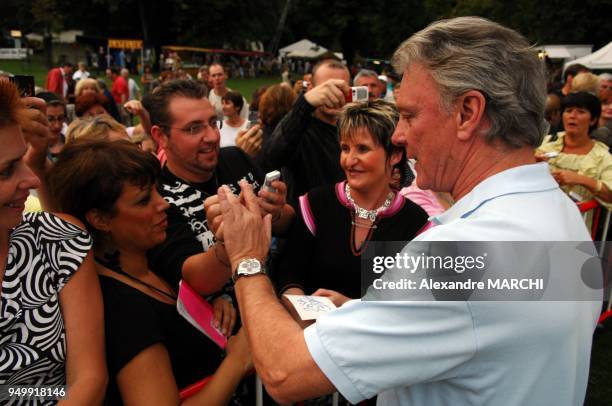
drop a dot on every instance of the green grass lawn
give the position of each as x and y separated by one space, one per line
36 67
247 86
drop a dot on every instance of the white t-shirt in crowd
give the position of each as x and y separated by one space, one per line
217 103
228 134
78 75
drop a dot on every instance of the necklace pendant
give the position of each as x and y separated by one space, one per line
362 213
373 216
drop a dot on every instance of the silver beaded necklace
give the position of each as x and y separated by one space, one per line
364 213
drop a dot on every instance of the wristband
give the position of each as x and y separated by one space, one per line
598 186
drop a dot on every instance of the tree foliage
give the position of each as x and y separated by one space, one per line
357 27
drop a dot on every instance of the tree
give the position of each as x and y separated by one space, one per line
45 15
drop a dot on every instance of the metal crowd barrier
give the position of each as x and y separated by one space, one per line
594 206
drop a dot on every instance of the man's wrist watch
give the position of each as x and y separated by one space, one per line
248 267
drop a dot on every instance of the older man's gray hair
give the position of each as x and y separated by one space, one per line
364 73
472 53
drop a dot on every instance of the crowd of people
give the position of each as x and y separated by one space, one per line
104 224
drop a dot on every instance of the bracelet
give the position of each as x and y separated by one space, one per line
598 186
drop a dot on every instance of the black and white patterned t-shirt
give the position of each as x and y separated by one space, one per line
188 233
44 252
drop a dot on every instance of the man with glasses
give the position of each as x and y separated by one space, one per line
57 117
186 125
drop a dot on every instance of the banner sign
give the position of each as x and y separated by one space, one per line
125 43
13 53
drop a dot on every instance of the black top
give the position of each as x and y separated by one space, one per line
329 259
307 147
134 321
188 233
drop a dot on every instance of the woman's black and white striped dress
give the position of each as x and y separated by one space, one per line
44 252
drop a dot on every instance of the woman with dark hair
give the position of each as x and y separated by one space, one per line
51 321
232 124
335 223
152 351
581 165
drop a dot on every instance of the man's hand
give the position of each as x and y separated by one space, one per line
134 107
35 127
250 140
329 94
37 134
213 216
273 203
246 234
337 298
225 315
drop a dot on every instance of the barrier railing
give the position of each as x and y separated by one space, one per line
594 206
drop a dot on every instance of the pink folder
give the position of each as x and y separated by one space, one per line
197 311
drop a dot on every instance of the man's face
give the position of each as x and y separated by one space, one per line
427 131
109 74
325 73
195 154
605 90
217 76
373 85
68 70
56 118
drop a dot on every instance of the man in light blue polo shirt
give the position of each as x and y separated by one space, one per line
472 105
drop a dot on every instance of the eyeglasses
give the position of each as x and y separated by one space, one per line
56 118
197 129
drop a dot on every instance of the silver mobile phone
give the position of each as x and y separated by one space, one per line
271 177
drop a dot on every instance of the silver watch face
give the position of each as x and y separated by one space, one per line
249 266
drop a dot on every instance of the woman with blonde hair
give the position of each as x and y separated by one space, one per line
585 82
335 223
85 86
98 127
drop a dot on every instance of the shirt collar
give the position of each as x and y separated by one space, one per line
521 179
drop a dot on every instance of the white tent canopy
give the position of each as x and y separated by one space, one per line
600 59
304 48
566 52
